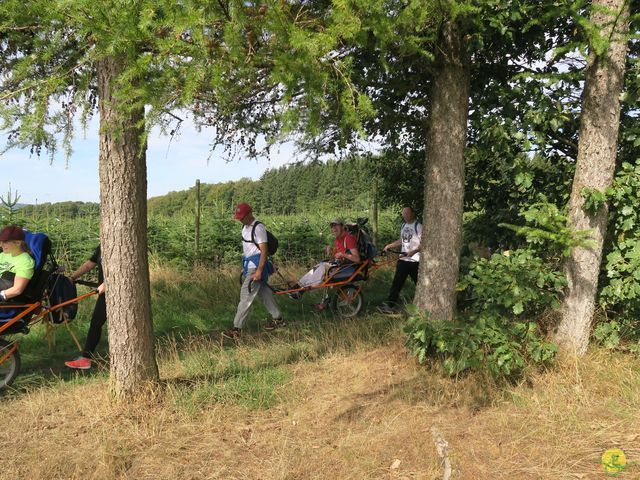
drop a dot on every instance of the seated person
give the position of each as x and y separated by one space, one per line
16 265
344 249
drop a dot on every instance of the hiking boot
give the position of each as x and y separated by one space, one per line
275 323
386 309
80 363
320 307
232 333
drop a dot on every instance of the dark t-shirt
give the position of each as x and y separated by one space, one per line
97 258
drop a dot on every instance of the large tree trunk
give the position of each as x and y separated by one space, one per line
594 170
444 179
123 206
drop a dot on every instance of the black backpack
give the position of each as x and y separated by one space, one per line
366 247
272 241
61 289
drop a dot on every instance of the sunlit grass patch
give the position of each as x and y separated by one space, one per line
257 389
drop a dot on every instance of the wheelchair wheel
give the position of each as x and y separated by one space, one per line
347 301
11 366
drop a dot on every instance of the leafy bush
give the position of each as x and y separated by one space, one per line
501 292
499 296
547 230
621 290
615 334
495 344
517 282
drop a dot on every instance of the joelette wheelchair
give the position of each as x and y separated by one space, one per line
34 305
343 281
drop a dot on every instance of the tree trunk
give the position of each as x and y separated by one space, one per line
123 205
444 179
197 221
595 168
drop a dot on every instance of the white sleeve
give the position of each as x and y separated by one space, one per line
261 234
419 229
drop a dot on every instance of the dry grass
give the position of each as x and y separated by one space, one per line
345 415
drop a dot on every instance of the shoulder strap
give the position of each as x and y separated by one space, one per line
253 234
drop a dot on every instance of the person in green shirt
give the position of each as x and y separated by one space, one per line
16 265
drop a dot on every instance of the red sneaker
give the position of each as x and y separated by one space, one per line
80 363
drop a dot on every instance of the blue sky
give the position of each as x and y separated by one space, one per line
171 167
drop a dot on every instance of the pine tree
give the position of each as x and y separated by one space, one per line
132 62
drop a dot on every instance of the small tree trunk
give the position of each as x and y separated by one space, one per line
123 202
444 179
374 210
595 168
197 221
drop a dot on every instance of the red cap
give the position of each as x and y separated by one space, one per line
242 210
12 232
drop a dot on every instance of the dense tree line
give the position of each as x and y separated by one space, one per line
297 188
67 209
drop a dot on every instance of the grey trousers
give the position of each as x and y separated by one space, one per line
246 299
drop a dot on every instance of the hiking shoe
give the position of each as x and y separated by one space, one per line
386 309
232 333
80 363
320 307
275 323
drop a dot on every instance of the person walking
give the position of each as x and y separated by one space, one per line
409 261
256 268
99 316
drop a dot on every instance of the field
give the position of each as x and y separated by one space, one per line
323 398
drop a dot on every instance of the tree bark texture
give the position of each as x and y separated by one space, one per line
595 168
444 179
123 206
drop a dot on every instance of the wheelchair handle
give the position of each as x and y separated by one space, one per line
88 284
395 252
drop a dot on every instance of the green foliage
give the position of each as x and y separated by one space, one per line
500 299
615 334
295 188
513 283
74 230
621 290
548 230
251 389
9 205
594 200
73 239
499 345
